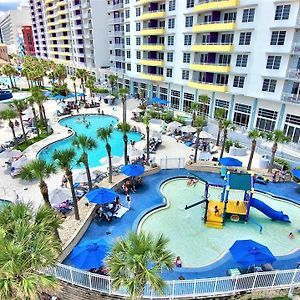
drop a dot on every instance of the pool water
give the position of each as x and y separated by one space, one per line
199 245
6 81
96 122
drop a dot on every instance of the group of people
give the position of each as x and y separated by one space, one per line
279 176
106 212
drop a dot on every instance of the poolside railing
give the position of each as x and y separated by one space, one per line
219 286
172 163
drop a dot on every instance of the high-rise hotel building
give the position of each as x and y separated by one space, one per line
72 32
243 54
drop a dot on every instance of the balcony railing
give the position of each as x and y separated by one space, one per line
153 14
212 47
293 74
152 47
207 5
116 6
291 98
296 48
208 86
116 20
153 31
214 26
206 67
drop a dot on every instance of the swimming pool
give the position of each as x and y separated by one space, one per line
6 81
96 121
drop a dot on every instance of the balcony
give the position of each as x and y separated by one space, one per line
116 20
208 86
153 47
143 2
153 31
65 53
209 5
152 77
62 21
156 14
116 6
117 58
116 33
293 74
296 48
152 62
214 26
213 68
215 48
290 98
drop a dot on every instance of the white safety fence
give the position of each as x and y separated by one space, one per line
208 287
172 163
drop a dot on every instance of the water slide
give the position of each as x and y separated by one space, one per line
268 211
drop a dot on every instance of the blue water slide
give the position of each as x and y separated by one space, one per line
268 211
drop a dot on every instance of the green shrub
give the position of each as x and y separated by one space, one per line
100 90
179 119
167 116
237 144
285 165
153 114
228 144
60 90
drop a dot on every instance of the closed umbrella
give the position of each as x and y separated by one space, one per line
82 176
249 253
133 170
188 129
173 126
89 254
59 195
10 153
101 196
230 162
115 160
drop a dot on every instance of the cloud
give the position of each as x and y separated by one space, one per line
10 4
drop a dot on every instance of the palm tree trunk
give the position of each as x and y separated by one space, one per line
125 138
41 113
75 92
87 170
148 143
223 145
108 150
124 109
22 125
11 82
197 145
193 118
44 192
45 119
11 125
28 82
251 154
219 135
34 116
274 149
69 176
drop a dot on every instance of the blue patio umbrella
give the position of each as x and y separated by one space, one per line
101 196
132 170
230 162
158 101
89 254
296 173
59 97
47 93
71 95
249 253
81 94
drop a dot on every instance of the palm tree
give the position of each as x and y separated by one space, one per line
85 143
64 160
19 106
220 114
146 121
39 170
253 135
125 127
203 99
194 107
199 123
104 135
277 137
60 73
40 99
27 247
90 83
226 125
11 72
123 92
7 115
25 73
82 74
31 102
73 78
113 80
137 260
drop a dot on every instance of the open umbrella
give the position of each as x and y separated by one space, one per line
132 170
58 97
133 152
89 254
21 162
10 153
249 253
173 126
188 129
82 176
137 110
230 162
47 93
296 173
205 135
101 196
158 101
115 160
59 195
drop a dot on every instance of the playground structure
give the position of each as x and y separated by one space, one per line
235 202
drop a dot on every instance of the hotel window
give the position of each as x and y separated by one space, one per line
170 56
186 58
138 54
175 99
266 119
172 5
282 12
245 38
138 26
239 81
171 23
241 60
269 85
224 59
190 3
128 41
273 62
230 16
138 41
222 104
128 67
248 15
169 73
127 27
128 54
204 105
163 93
137 11
226 38
126 1
127 13
170 40
138 68
278 37
292 127
188 99
187 39
189 21
185 74
241 115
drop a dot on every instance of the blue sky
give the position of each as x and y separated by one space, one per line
6 5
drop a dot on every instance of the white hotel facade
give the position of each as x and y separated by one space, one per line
243 54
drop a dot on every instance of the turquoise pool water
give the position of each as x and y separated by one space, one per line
199 245
5 80
96 121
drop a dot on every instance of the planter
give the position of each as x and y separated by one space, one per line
233 151
264 161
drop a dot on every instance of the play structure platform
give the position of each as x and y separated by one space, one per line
236 207
215 220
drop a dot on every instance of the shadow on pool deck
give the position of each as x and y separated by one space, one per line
149 197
